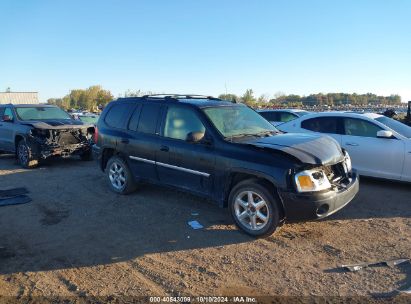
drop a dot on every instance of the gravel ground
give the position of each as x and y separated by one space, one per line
77 239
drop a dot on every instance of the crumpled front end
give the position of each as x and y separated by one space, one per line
331 188
59 142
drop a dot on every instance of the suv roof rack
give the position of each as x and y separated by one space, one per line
180 96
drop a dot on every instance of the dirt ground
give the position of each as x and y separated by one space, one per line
78 239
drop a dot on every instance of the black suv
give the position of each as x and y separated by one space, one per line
226 152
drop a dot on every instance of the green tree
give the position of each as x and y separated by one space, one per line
229 97
248 98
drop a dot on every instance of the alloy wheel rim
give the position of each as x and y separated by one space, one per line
251 210
117 176
23 154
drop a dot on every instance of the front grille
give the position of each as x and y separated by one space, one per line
337 175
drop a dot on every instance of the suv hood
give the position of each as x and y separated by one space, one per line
56 124
308 148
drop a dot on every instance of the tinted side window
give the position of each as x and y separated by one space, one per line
360 127
285 116
149 117
270 116
1 113
321 124
117 115
180 122
133 124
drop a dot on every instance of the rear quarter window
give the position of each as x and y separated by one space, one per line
117 115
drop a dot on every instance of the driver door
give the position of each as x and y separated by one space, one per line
7 130
180 163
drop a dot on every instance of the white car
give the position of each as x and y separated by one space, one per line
278 116
379 146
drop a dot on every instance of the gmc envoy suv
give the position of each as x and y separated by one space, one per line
227 152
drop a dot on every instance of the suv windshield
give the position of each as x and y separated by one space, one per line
41 113
239 120
397 126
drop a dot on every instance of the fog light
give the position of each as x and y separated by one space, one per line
323 209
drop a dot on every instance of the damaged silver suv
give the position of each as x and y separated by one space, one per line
36 132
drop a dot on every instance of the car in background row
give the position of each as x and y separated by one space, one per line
279 116
379 146
36 132
227 153
88 118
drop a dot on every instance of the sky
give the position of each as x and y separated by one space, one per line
206 46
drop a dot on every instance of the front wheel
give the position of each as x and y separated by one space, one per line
25 156
253 208
119 176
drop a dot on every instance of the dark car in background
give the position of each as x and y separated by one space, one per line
278 116
36 132
225 152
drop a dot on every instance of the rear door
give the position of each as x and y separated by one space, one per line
143 140
328 125
181 163
372 156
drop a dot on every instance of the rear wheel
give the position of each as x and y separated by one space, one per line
119 176
253 208
25 156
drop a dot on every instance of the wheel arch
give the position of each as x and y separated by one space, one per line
107 153
17 139
239 175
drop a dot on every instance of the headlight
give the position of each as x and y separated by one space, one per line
311 180
347 161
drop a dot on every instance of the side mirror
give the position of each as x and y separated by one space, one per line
384 134
7 118
195 137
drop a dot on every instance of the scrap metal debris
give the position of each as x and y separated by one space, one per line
406 291
16 200
15 196
332 250
389 263
13 192
195 225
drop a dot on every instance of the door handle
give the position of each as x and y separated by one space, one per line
124 141
164 148
352 144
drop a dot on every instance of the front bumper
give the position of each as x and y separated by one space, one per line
44 151
317 205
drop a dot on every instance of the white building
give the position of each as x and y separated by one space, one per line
19 97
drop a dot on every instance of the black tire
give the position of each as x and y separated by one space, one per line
87 155
25 156
117 185
270 208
